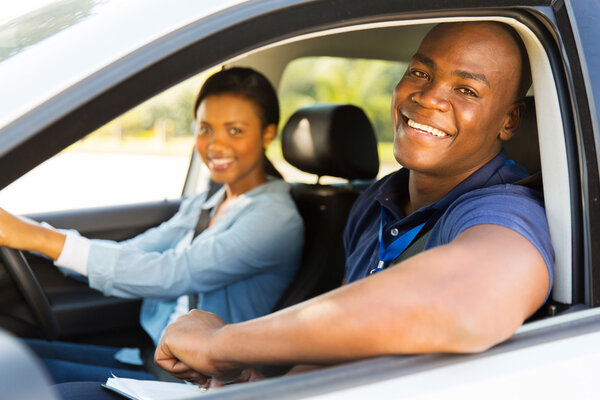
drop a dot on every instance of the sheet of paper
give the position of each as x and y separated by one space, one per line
152 390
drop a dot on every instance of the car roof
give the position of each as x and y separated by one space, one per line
44 52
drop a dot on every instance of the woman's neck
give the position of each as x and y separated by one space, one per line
235 189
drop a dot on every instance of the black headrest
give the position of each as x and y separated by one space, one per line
524 147
331 139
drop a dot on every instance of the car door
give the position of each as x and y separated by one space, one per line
124 178
83 313
249 26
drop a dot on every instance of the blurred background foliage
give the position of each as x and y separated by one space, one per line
365 83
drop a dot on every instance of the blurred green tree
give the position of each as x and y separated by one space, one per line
365 83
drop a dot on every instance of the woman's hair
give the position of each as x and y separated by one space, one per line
247 83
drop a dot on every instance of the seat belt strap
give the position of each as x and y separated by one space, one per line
415 248
203 221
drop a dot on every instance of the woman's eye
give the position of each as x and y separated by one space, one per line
235 131
202 130
468 92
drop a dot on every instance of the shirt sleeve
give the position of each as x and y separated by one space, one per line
170 232
75 253
515 207
265 234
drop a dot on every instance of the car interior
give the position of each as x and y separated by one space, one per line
543 116
322 139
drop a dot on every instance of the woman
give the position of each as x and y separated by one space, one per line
237 267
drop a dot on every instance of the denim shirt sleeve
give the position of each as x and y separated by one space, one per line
169 233
259 233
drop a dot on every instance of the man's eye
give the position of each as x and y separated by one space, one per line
467 92
234 131
419 74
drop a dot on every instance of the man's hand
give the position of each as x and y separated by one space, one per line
247 375
186 349
165 359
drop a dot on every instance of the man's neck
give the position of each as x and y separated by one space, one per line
425 189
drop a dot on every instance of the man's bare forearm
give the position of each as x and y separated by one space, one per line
462 297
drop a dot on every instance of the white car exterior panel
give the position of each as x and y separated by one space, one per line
562 369
114 30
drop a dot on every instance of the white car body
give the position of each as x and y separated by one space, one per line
46 82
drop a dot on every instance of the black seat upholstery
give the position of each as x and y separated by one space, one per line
333 140
523 148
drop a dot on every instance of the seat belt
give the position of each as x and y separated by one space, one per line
147 354
415 248
203 221
533 181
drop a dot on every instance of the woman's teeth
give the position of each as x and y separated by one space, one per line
221 161
426 128
220 164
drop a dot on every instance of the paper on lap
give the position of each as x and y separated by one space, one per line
136 389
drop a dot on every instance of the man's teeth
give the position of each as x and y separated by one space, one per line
426 128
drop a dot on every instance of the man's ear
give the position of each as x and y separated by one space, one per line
511 121
269 134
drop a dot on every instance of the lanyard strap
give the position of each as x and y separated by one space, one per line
397 247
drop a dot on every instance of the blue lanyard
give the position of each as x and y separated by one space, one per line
397 247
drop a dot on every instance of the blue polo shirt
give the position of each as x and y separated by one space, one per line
485 197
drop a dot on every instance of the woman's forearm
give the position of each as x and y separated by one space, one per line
49 242
23 234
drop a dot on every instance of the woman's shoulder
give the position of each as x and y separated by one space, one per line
275 185
272 190
274 196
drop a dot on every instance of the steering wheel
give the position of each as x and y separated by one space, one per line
21 273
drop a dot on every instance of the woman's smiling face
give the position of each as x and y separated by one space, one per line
231 140
456 100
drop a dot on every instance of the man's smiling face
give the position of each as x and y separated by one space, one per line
456 101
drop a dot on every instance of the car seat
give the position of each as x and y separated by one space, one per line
524 147
326 140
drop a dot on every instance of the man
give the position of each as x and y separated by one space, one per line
487 264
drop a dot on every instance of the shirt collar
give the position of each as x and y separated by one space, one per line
215 199
272 185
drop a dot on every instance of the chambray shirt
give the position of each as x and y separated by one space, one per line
486 197
239 267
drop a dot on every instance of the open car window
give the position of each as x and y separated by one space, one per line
404 37
141 156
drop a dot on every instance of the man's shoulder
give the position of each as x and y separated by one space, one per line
516 207
501 192
504 204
